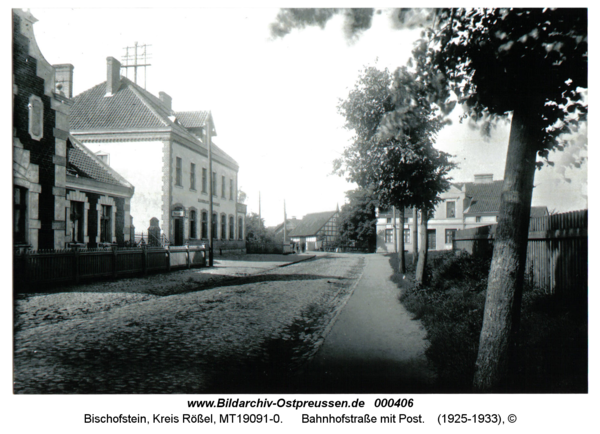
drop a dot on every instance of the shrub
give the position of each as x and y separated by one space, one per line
553 348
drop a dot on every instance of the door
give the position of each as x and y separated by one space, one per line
178 227
431 239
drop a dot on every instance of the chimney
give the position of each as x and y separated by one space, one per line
166 100
484 178
64 79
113 73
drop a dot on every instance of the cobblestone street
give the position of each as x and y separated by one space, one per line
193 331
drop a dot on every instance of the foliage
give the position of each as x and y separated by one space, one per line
255 229
358 222
502 60
355 20
400 165
554 330
241 196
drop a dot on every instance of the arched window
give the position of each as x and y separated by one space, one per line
193 225
223 227
214 225
231 228
204 225
241 228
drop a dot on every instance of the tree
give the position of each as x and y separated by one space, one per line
531 63
358 222
392 150
255 229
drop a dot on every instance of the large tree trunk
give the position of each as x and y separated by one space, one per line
401 264
415 236
420 274
497 343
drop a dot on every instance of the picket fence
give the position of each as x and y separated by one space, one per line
557 251
35 268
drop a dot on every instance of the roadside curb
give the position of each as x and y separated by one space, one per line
297 261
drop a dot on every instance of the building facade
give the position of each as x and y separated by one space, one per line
318 231
63 194
164 154
465 205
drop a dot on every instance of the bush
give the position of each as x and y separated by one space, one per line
553 348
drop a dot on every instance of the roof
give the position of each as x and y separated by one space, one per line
192 119
290 226
539 211
311 224
85 164
485 196
133 108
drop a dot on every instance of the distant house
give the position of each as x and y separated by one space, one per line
62 193
291 224
164 154
465 205
318 231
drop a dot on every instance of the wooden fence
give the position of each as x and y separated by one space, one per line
557 250
35 268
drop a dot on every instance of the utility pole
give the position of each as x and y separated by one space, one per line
210 195
284 224
139 58
259 216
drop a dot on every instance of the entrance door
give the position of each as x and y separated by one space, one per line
178 227
431 239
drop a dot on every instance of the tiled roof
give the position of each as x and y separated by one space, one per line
131 108
485 197
311 224
539 211
84 163
192 119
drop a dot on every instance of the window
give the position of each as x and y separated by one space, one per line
223 186
431 236
214 225
240 228
203 180
105 224
77 228
450 235
478 219
214 184
178 171
193 233
36 117
389 236
231 227
20 215
223 227
192 176
450 210
204 225
406 236
389 221
231 189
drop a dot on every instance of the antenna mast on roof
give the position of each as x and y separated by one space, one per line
136 58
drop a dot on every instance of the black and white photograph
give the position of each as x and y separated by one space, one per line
255 205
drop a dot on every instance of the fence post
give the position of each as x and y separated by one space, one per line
76 264
114 264
168 258
187 258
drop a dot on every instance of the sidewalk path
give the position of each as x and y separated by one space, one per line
374 346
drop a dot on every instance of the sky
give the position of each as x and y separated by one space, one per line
274 102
